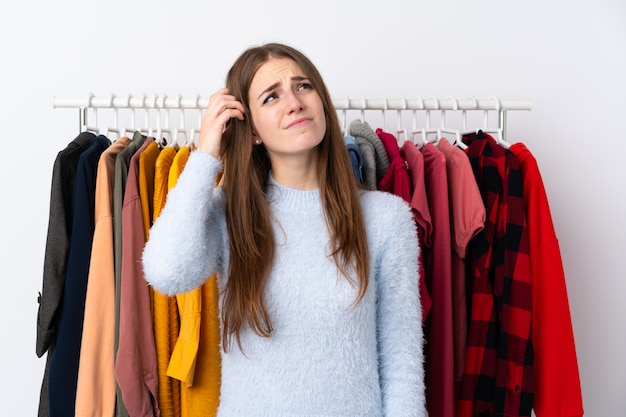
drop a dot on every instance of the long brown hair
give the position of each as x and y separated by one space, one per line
246 173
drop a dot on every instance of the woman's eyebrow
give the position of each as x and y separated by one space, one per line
270 88
273 86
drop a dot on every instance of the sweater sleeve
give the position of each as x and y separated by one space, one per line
188 242
399 313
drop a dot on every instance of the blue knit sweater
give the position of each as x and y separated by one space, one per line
325 356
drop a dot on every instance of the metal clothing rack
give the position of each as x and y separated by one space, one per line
162 106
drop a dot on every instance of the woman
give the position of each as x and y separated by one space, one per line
320 309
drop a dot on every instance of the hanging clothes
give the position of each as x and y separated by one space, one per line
196 360
65 360
122 163
95 393
396 179
182 363
55 256
375 158
135 365
165 311
499 374
438 266
421 214
557 381
498 335
355 157
467 219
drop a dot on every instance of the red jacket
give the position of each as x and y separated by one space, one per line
557 383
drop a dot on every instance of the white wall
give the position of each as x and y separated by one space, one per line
568 57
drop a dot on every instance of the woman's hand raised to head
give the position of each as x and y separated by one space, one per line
222 107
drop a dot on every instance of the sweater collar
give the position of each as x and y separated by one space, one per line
283 195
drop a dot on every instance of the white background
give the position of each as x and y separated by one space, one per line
568 57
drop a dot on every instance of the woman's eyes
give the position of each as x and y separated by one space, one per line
300 87
269 98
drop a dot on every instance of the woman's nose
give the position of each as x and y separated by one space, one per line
294 103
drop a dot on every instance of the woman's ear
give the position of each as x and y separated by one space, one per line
257 139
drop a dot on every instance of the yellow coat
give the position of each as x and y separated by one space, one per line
196 357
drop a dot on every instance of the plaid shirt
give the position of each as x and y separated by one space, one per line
498 376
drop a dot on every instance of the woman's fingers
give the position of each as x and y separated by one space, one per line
221 108
224 105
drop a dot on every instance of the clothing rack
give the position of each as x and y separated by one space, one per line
164 104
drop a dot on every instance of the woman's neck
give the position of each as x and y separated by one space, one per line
296 172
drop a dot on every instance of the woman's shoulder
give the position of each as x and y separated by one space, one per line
389 222
384 208
375 200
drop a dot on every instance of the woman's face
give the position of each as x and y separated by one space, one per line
287 113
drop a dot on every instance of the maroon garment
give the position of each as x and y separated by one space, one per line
396 179
467 219
136 364
438 265
499 375
421 214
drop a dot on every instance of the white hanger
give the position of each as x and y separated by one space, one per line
146 119
180 129
344 118
192 140
160 137
465 130
428 130
133 117
414 129
363 108
115 128
146 130
457 134
401 130
496 131
93 128
123 131
384 114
